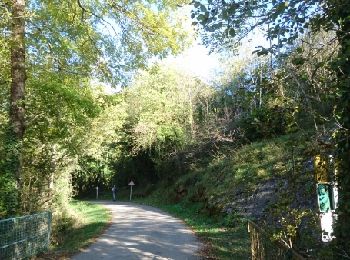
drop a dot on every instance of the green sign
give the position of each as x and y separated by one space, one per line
324 194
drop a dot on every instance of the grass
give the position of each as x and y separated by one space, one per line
231 174
224 238
213 183
84 223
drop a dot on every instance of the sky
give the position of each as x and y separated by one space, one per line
197 61
194 60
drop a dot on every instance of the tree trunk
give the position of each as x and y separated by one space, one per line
18 76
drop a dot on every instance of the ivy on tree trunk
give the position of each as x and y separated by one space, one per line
18 77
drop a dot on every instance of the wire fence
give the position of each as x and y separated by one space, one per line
25 236
263 248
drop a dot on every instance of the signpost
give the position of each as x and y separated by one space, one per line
327 194
131 183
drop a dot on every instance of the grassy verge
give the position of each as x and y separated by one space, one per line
84 222
224 238
224 181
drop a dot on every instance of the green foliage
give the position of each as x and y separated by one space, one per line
8 147
340 14
290 222
267 122
51 123
91 173
229 183
160 109
8 195
103 39
69 45
167 121
53 138
78 227
309 84
233 220
223 23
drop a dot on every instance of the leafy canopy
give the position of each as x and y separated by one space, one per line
225 22
103 39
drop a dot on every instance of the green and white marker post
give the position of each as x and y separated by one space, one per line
131 184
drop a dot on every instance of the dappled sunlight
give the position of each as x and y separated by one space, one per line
142 232
236 238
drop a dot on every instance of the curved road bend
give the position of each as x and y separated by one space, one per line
142 232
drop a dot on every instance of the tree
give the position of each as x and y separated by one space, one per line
70 42
103 39
17 93
161 105
223 23
339 14
54 139
226 22
18 72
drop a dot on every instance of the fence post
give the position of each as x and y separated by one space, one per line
49 223
263 248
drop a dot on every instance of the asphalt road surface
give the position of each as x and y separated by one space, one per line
142 232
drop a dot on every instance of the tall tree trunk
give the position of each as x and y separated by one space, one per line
18 76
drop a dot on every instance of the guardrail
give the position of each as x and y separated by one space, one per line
26 236
263 248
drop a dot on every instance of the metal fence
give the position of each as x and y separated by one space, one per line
263 248
25 236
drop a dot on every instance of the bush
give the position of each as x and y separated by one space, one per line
268 122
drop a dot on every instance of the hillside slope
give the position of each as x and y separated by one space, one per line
270 182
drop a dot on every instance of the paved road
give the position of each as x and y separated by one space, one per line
142 232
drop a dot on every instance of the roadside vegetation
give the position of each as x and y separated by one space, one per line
222 192
83 222
223 238
241 146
